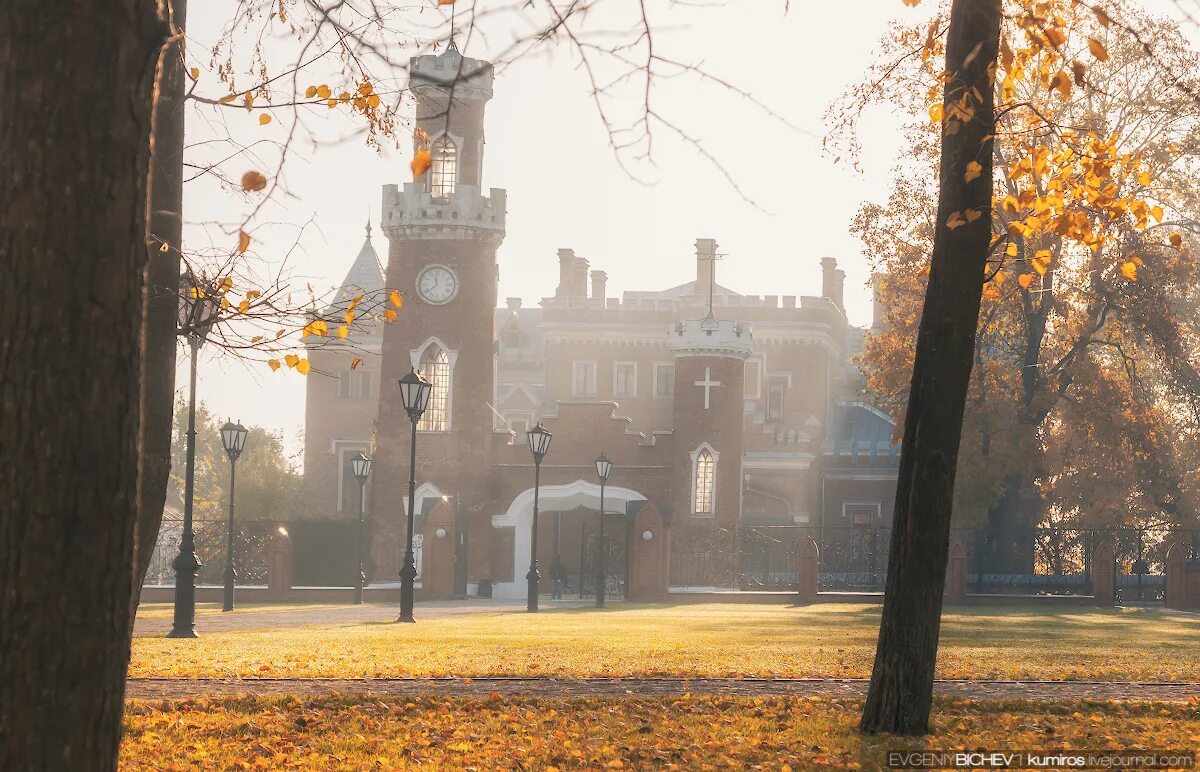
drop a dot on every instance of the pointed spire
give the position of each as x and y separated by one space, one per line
368 227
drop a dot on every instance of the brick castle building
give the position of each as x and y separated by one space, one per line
723 413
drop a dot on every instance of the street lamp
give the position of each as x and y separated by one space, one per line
414 392
360 465
539 442
603 471
233 437
199 307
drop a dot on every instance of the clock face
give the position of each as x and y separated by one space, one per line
437 284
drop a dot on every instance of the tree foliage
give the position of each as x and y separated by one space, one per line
1083 369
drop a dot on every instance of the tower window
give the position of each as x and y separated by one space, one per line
703 481
443 171
435 366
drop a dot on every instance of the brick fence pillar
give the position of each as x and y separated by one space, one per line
279 563
956 573
808 564
1104 573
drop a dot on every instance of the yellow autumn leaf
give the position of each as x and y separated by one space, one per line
195 73
936 113
1011 249
355 363
349 317
264 119
421 162
273 363
1143 178
310 92
373 100
243 241
244 306
1176 240
974 169
365 87
1055 36
955 220
1025 280
343 331
1012 205
253 181
1157 213
973 215
1039 265
291 360
302 367
164 247
912 3
1098 50
991 293
389 314
1129 270
1061 82
397 301
323 91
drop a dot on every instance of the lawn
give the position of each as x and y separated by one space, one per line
826 640
167 610
686 732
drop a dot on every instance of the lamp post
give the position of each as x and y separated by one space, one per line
414 392
199 307
539 442
233 437
603 470
361 466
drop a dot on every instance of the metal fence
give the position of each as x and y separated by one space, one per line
1051 561
323 551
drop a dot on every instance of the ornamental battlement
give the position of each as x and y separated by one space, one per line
450 70
414 213
711 337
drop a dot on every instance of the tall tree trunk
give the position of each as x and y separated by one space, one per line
73 168
901 689
162 298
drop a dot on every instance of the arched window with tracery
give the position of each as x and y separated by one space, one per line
435 366
703 482
443 172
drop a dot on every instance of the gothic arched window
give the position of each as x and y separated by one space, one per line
435 366
703 480
443 171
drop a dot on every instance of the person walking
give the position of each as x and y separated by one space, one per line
558 574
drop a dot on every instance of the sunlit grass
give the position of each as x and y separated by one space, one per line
167 610
828 640
491 732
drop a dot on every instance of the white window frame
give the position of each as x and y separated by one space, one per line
362 384
589 389
438 189
632 392
415 356
345 386
716 457
657 392
772 386
876 505
755 363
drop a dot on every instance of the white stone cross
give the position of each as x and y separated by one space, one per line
707 383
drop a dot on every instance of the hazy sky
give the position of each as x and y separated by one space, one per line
547 148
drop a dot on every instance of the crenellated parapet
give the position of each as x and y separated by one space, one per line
412 213
711 337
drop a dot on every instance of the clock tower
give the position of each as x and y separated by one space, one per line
443 233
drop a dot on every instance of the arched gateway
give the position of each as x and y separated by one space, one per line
648 551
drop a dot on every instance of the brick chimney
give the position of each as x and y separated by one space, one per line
706 259
599 284
833 280
579 282
514 304
566 272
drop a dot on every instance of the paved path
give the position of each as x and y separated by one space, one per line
208 619
174 688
